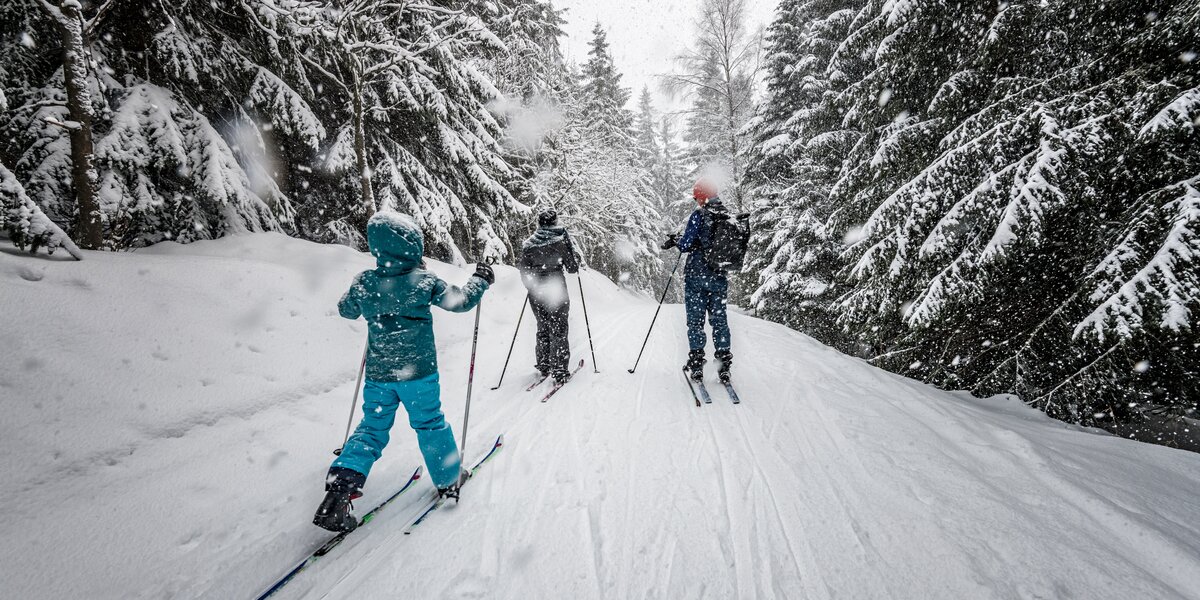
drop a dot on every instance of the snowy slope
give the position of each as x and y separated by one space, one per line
168 416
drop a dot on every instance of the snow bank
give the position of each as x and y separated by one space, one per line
168 416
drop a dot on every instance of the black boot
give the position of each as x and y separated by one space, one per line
561 377
724 362
341 486
451 492
695 364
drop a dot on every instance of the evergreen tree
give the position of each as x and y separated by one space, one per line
587 167
796 151
603 97
645 140
261 115
670 175
27 226
1016 192
718 74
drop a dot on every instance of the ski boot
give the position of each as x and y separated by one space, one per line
561 378
695 364
451 491
341 488
724 362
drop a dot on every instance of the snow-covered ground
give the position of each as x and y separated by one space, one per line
167 417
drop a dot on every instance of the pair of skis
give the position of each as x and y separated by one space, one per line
432 505
700 393
557 386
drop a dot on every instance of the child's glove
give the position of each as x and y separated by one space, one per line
484 272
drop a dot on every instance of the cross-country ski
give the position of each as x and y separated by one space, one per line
558 385
696 385
438 500
732 393
336 540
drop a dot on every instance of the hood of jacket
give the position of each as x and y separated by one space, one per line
545 236
396 242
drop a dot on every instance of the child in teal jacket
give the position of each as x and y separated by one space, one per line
401 368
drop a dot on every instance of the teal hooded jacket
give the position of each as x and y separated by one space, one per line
395 297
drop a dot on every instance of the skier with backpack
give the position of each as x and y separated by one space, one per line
401 363
544 256
716 242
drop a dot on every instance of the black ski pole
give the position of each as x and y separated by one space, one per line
362 367
670 279
513 343
583 301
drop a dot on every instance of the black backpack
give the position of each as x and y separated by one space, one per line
730 238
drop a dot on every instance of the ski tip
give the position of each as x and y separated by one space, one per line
630 371
499 440
417 473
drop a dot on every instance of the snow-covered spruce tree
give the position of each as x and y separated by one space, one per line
717 73
413 129
645 139
603 98
222 117
670 174
26 225
587 169
163 170
797 145
1014 181
530 74
530 64
657 154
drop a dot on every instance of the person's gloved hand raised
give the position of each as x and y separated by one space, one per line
484 272
672 241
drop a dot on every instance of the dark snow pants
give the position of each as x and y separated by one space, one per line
706 296
551 306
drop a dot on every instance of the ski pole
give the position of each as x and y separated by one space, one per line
583 301
513 344
362 367
470 380
670 279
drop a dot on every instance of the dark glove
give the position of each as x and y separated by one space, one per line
484 272
672 241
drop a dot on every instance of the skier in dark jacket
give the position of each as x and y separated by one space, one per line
705 290
401 367
543 257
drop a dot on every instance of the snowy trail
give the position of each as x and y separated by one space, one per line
831 479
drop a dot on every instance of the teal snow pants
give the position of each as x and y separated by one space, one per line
421 398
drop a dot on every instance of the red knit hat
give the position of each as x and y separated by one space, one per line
704 190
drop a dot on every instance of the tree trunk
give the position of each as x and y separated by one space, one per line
88 226
360 154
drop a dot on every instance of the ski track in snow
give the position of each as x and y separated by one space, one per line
832 479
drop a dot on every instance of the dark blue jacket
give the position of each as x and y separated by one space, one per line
697 236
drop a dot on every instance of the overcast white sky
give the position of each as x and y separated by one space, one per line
644 34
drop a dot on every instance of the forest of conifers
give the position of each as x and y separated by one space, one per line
1002 197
